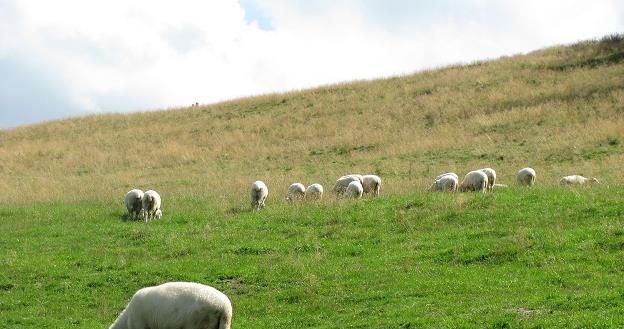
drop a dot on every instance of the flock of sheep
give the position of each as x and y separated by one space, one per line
352 186
194 306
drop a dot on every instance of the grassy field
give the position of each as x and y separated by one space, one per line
531 258
558 110
539 257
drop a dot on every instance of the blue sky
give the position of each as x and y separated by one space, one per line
67 57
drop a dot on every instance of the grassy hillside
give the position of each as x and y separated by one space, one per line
559 110
546 257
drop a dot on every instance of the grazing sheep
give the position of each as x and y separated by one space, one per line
445 183
354 190
134 203
491 174
578 180
371 184
526 177
341 184
176 305
314 192
475 180
151 205
296 191
448 174
258 194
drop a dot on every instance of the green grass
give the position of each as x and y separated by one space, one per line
531 258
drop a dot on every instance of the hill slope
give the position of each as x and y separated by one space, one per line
559 110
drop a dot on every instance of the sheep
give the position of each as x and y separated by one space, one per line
526 177
296 191
175 305
354 190
577 180
371 184
491 174
158 214
475 180
341 184
134 203
445 183
151 205
258 194
448 174
314 192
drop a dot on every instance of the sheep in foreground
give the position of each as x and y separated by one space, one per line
314 192
526 177
258 194
354 190
491 174
475 180
578 180
445 183
371 184
175 305
296 191
343 182
134 203
151 205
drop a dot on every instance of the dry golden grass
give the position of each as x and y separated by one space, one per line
559 110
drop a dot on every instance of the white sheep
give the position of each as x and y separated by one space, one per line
354 190
258 194
134 203
491 174
475 180
578 180
314 192
296 191
151 205
341 184
445 183
175 305
448 174
371 184
526 177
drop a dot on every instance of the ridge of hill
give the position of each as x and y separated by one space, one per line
559 110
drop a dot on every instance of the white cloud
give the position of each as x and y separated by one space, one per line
117 55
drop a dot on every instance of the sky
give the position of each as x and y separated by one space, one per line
67 58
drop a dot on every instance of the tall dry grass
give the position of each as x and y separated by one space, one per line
559 110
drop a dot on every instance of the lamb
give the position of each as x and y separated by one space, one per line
445 183
151 205
314 192
175 305
578 180
258 194
296 191
343 182
371 184
134 203
526 177
355 190
475 180
491 174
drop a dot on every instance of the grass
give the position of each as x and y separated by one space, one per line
530 258
558 110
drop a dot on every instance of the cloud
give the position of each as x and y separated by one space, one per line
115 55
